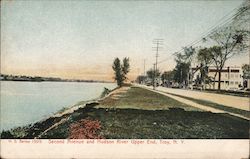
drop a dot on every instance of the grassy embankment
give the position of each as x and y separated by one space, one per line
142 114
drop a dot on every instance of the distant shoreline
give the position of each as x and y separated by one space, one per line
24 78
59 81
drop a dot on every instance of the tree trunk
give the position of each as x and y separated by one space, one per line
219 79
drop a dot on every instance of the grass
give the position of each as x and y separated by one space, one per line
139 98
158 124
244 113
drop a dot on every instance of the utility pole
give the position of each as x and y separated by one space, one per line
158 43
144 73
154 77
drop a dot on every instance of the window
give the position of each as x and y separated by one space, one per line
231 82
232 75
236 82
226 75
236 76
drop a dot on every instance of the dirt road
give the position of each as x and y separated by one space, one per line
242 103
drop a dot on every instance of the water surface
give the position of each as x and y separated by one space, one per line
23 103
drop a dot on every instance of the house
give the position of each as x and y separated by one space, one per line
231 78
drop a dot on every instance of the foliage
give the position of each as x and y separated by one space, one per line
6 135
183 62
152 74
85 129
246 71
167 76
205 58
230 42
181 71
118 74
121 70
105 92
189 53
125 67
242 18
141 78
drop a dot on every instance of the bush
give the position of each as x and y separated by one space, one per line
85 129
105 92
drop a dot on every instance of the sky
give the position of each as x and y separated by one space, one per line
80 39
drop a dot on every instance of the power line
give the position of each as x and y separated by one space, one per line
210 30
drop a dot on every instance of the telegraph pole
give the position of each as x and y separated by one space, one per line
154 77
158 43
144 73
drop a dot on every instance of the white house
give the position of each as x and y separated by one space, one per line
231 78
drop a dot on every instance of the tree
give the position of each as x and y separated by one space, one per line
246 71
167 76
189 53
246 74
205 58
118 73
121 70
184 60
219 60
125 68
242 17
230 42
233 38
141 79
181 72
153 74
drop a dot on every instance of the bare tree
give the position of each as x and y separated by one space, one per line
232 39
230 42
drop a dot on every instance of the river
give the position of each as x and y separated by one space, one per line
23 103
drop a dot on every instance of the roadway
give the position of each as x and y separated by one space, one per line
242 103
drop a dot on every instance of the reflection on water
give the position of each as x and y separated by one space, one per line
26 102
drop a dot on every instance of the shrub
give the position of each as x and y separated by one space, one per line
85 129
